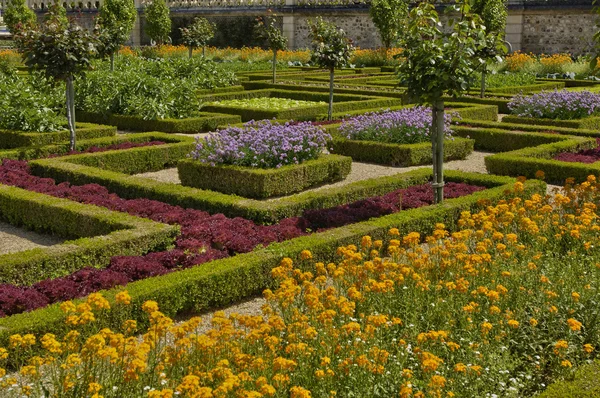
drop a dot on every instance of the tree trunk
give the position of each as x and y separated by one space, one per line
437 146
483 73
191 51
203 51
71 111
330 111
274 66
112 62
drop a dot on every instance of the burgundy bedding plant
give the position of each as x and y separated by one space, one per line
405 126
262 144
203 238
561 105
583 156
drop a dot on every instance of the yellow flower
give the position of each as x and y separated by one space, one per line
574 324
123 298
588 348
305 255
437 381
486 327
68 307
533 322
513 323
566 364
98 302
394 232
150 306
94 388
299 392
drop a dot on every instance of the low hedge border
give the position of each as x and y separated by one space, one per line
264 183
399 155
571 82
225 281
503 140
465 111
37 152
583 385
590 123
100 234
527 161
321 89
203 122
524 89
10 139
343 103
500 102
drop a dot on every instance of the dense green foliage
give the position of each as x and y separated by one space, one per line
115 21
198 33
17 15
331 48
388 16
151 89
158 21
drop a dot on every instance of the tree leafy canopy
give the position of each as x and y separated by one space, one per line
158 21
388 17
116 19
17 15
198 33
266 29
331 48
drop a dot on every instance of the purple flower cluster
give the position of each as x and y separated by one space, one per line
561 105
405 126
203 238
263 144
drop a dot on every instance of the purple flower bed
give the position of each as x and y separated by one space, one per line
262 144
584 156
203 238
562 105
406 126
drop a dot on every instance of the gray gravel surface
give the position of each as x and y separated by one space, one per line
14 239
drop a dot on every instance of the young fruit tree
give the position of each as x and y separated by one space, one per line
198 34
331 49
493 14
267 29
438 63
62 51
114 24
158 21
388 17
17 15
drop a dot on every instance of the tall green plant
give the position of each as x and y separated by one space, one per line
116 19
493 13
388 17
331 49
17 15
267 29
198 34
62 50
158 21
438 63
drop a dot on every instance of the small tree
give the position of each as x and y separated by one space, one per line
198 34
330 49
62 50
115 22
267 29
57 12
18 16
388 17
438 63
158 21
493 13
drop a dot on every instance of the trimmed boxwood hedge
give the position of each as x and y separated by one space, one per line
225 281
99 235
257 183
503 140
321 89
499 101
584 384
585 123
399 155
203 122
14 139
36 152
530 128
527 161
524 89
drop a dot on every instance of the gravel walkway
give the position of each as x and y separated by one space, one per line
360 171
13 239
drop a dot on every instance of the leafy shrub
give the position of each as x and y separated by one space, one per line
562 105
151 89
496 80
405 126
30 107
262 144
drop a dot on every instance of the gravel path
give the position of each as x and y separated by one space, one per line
360 171
13 239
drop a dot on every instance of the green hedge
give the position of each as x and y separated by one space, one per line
571 82
399 155
530 128
99 235
503 140
590 123
321 89
524 89
14 139
583 385
37 152
201 123
264 183
225 281
501 103
526 162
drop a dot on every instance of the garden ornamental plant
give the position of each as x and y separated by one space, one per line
561 105
267 29
115 22
262 144
197 35
158 21
406 126
17 15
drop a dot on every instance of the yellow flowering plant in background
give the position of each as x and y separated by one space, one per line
504 305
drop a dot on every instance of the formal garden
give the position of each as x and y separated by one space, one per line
419 220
